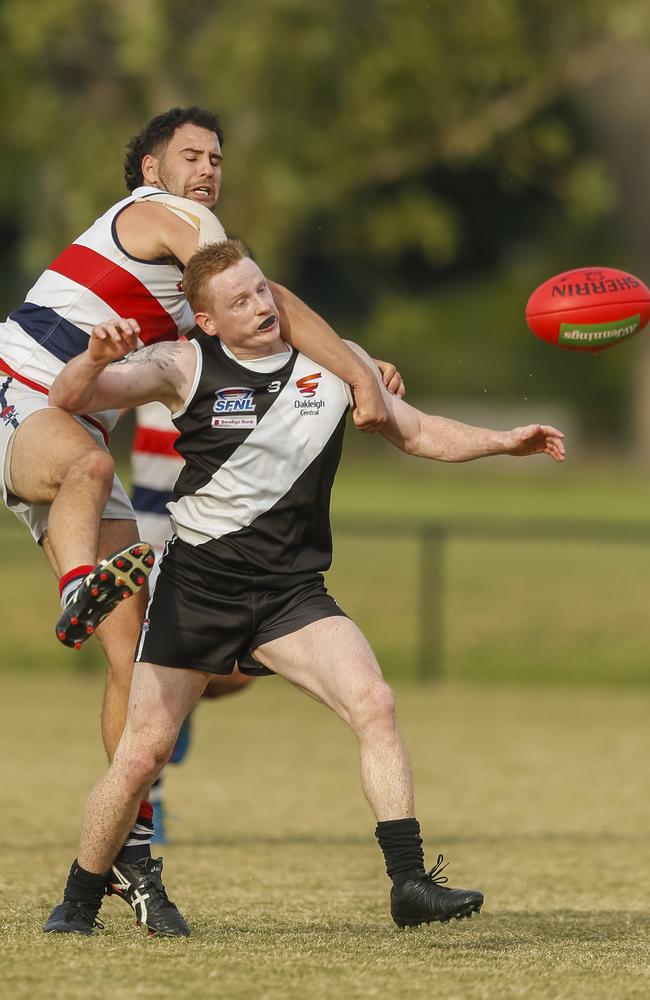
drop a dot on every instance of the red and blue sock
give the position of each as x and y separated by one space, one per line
70 581
138 842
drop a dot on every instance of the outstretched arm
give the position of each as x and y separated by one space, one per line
427 436
92 382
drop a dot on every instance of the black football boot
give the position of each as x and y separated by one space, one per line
73 916
107 585
140 885
423 899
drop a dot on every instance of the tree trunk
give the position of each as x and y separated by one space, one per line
618 105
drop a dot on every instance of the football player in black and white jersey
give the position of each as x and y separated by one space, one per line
261 430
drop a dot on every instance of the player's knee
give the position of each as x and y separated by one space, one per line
142 765
376 706
384 703
97 466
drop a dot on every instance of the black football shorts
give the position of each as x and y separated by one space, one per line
207 617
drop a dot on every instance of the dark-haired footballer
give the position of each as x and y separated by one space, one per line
56 472
261 430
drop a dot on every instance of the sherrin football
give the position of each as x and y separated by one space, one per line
589 308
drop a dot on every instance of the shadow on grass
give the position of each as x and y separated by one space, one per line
269 930
498 933
359 840
562 926
259 840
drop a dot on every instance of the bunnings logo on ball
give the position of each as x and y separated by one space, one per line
589 334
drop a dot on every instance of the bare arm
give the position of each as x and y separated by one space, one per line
92 382
151 231
427 436
301 327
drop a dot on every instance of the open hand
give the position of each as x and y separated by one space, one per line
113 341
535 439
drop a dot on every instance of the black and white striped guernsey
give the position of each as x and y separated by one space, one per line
261 452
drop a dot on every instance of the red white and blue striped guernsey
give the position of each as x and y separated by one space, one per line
94 280
155 465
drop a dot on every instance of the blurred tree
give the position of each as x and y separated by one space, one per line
374 150
619 115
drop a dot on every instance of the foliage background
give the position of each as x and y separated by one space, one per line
413 169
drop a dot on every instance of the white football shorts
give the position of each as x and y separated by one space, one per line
17 402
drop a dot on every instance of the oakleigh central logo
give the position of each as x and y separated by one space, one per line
308 387
308 384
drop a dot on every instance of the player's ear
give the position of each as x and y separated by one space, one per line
205 323
149 168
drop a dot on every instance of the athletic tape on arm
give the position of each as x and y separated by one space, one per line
198 216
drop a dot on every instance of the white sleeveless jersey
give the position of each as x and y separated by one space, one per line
94 280
261 451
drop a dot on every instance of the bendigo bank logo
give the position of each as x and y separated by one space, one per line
308 384
234 399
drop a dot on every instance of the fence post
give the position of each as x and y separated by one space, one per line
431 610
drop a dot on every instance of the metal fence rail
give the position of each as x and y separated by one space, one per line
432 538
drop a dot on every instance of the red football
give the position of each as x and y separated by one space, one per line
589 308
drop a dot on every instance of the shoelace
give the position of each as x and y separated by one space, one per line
153 880
434 873
87 910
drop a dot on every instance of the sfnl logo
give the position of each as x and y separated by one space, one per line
234 407
234 399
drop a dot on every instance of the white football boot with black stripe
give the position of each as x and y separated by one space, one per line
114 579
140 885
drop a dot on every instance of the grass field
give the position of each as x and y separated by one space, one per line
530 609
537 794
538 797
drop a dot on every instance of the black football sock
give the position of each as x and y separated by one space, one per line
401 844
83 886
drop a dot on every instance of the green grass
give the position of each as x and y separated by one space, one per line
30 607
536 796
378 480
533 608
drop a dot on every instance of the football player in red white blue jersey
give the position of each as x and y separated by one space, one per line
57 474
